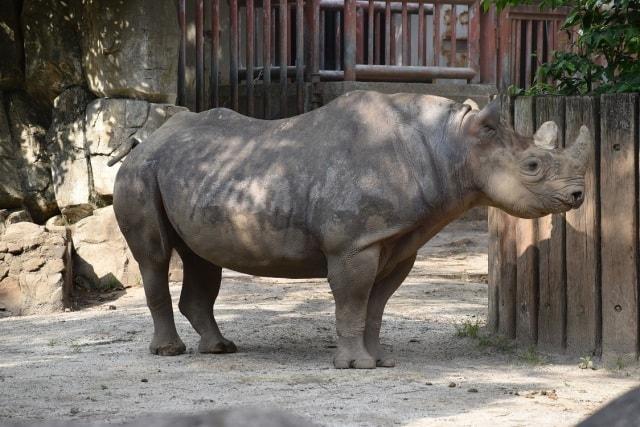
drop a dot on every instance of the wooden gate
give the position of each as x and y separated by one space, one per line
570 282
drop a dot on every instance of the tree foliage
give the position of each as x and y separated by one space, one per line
605 54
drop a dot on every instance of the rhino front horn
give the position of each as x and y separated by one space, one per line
547 136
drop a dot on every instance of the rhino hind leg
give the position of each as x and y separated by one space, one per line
143 222
200 287
382 290
351 277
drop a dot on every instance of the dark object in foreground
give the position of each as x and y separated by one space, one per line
622 412
349 192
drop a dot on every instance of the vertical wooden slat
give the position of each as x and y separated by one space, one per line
273 32
338 40
266 57
350 40
583 239
378 38
233 57
405 35
528 51
474 39
517 46
454 35
387 33
321 49
359 36
214 78
249 57
505 50
502 260
300 56
182 18
619 225
526 243
421 35
437 38
394 40
370 32
539 43
199 55
551 242
284 26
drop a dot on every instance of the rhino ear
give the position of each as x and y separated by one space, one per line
489 116
547 136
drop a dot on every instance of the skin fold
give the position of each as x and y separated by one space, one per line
349 192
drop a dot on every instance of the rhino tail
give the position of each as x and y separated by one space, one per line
124 149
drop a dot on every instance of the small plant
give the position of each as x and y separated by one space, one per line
468 329
619 363
499 342
586 362
532 357
76 348
52 342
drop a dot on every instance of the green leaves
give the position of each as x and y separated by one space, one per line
605 55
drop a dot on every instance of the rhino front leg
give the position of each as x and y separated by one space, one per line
351 277
200 288
382 290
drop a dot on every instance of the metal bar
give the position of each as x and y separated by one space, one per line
378 37
518 47
473 39
411 73
396 6
359 36
182 65
199 55
338 41
394 40
273 32
349 39
266 57
321 49
233 58
214 78
274 71
387 33
422 51
405 35
249 56
284 26
300 55
311 39
437 38
528 51
539 44
370 32
453 22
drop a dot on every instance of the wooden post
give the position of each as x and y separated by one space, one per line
551 243
526 243
619 227
583 239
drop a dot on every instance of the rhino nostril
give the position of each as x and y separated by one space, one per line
576 196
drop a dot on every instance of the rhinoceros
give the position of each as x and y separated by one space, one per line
348 192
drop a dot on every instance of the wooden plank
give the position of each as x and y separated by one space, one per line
526 243
583 240
551 243
619 225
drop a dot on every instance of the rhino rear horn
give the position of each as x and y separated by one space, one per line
547 136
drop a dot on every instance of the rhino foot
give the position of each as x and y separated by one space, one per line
169 348
369 363
385 362
217 347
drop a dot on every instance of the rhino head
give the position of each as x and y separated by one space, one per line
527 177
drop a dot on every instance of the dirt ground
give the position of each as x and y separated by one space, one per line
93 364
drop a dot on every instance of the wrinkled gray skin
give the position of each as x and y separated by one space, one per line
349 192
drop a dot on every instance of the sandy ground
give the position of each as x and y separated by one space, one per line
93 364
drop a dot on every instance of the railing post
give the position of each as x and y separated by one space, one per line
350 39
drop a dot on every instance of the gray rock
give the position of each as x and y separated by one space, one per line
53 58
69 161
116 32
11 66
28 133
10 184
110 123
35 272
102 259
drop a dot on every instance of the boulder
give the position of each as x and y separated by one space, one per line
111 122
11 66
102 259
66 147
35 270
28 133
52 52
114 33
10 184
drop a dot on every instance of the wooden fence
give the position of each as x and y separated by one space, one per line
569 282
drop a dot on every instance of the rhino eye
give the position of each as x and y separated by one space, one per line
532 166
